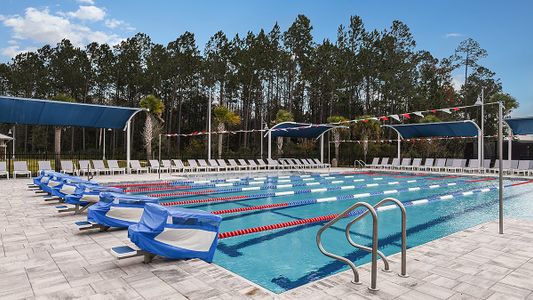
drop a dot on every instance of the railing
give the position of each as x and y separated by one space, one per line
374 249
360 163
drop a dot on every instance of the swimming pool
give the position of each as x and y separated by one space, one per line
288 257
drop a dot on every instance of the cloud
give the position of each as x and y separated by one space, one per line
453 35
114 23
90 2
41 26
14 49
457 82
88 13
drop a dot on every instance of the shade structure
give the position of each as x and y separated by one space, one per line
14 110
300 130
520 125
441 129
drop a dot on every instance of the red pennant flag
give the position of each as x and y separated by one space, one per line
364 120
455 108
407 116
384 118
433 110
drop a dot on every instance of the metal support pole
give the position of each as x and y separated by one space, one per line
262 138
322 148
270 145
479 145
510 147
399 146
13 141
500 167
128 147
103 148
209 128
159 160
482 127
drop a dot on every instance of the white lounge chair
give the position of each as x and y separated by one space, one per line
456 165
44 165
167 164
473 166
428 164
85 167
195 166
440 165
274 164
114 167
415 165
244 164
99 167
156 167
67 167
135 166
222 163
261 163
395 163
406 163
213 164
374 164
179 166
235 165
20 168
322 164
3 169
384 163
253 165
523 168
203 163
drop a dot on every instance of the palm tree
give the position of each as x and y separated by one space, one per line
336 133
366 129
155 107
224 116
57 131
282 116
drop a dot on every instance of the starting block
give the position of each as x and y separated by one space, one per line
52 198
86 225
122 252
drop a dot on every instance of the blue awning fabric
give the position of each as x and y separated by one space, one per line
520 125
24 111
440 129
301 130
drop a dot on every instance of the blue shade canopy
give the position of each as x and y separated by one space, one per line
301 130
520 125
24 111
440 129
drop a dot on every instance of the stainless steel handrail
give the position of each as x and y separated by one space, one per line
374 250
403 272
358 162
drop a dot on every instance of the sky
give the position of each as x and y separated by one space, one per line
503 28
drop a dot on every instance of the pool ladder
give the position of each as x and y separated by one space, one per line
368 209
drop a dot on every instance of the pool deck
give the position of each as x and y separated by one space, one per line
43 255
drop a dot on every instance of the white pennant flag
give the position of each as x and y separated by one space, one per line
395 117
446 110
418 114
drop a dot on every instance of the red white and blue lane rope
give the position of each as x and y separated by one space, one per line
321 219
296 192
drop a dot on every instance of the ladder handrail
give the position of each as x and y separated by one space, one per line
359 162
369 209
403 272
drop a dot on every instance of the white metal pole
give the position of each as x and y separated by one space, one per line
262 138
270 145
479 145
399 146
322 148
128 146
510 147
209 128
500 167
13 141
482 126
103 149
159 160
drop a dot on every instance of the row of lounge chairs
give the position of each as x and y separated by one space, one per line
454 165
192 165
175 165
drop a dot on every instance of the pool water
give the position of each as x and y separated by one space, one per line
286 258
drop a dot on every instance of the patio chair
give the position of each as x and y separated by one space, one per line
457 165
244 164
253 165
523 168
3 169
113 166
222 163
67 167
135 166
100 167
261 163
473 166
213 164
406 162
486 165
384 163
415 165
85 167
44 165
428 163
202 163
235 165
374 164
274 164
180 166
506 166
194 165
323 165
167 164
395 163
440 165
155 166
20 168
308 163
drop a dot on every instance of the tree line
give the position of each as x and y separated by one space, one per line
359 72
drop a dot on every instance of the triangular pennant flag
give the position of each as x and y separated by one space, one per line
433 110
364 120
407 116
418 114
446 110
384 118
455 108
395 117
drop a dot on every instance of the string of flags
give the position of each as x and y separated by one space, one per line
204 132
384 141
